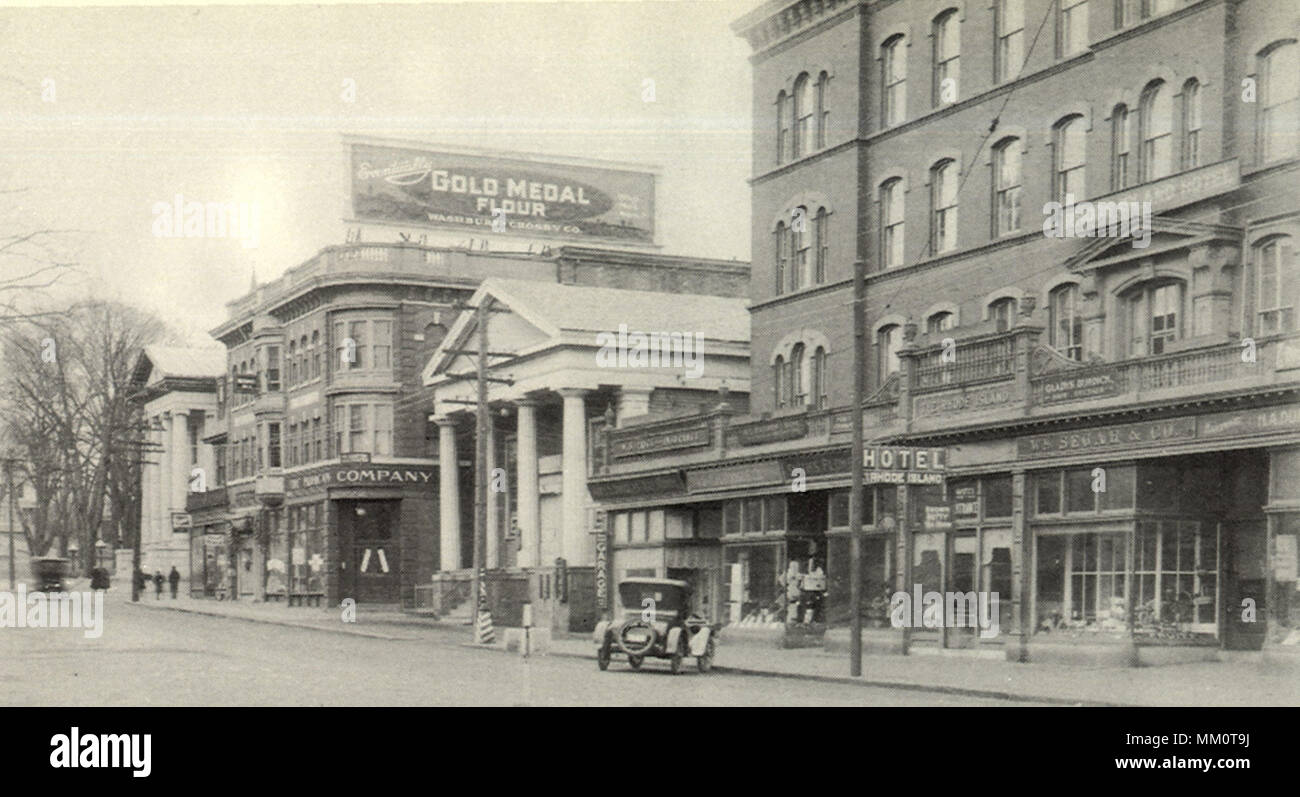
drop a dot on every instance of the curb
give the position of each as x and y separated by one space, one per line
282 623
841 679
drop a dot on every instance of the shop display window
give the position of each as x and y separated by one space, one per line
755 595
1084 490
1176 569
1081 582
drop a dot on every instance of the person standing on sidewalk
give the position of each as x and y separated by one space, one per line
157 585
174 579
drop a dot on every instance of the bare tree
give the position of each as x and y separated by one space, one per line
73 421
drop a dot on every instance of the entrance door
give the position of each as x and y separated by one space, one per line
959 628
368 532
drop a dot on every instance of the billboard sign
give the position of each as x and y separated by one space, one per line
408 185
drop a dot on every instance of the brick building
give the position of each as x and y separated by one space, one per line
1117 402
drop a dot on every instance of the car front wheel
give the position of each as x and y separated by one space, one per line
602 656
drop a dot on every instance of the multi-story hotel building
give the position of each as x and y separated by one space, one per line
1116 408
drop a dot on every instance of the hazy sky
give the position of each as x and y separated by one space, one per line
246 104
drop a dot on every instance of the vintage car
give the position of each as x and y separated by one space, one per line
656 620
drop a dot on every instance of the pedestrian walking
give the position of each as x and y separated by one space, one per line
174 579
157 585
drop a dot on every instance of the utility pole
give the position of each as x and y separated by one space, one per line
856 491
481 421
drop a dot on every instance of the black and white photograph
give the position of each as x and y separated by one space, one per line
925 354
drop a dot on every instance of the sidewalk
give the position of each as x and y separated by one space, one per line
1248 680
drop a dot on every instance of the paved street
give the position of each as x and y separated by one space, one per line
151 657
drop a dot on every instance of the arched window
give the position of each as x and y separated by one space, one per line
1157 132
1011 36
782 128
1119 147
822 245
891 223
799 243
1279 102
947 57
1072 27
1003 312
888 341
782 257
779 380
1065 323
798 391
939 322
893 55
803 115
823 112
943 206
1191 151
819 379
315 354
1006 186
1070 153
1279 284
1154 316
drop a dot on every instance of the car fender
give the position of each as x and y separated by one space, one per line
598 635
700 641
674 637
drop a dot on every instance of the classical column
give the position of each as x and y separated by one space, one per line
159 469
448 496
146 491
573 539
526 490
180 462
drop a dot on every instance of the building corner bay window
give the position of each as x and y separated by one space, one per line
363 428
363 344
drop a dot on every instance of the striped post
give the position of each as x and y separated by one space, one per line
483 631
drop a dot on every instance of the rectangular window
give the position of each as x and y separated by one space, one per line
1007 203
1278 284
316 438
357 332
1073 35
272 369
1047 491
340 428
382 347
753 520
1011 34
997 496
639 527
1079 496
357 428
383 429
731 517
1120 144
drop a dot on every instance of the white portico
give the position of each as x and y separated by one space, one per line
572 355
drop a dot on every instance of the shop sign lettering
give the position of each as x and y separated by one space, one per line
1106 438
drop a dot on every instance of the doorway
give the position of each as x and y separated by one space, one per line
368 538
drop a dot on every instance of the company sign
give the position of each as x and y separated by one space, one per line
903 465
1076 386
347 475
403 185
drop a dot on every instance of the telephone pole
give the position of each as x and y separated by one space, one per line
856 491
481 421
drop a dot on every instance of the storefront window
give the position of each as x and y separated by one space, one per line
775 519
877 579
754 593
997 496
1092 597
995 571
1176 568
1047 490
753 515
276 567
1086 490
731 517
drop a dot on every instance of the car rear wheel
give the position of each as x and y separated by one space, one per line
602 656
635 661
705 661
